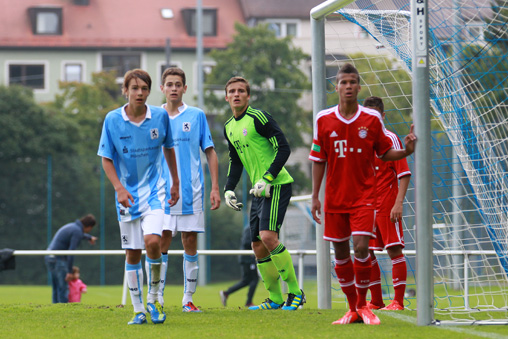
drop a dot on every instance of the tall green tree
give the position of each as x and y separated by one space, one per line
273 68
87 104
485 63
49 154
31 136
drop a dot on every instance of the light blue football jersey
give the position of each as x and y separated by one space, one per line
136 153
190 135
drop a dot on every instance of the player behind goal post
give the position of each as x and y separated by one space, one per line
389 232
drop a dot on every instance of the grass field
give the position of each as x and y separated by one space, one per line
27 312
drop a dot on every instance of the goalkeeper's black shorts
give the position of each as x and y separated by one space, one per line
267 214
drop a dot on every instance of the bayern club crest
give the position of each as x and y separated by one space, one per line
362 132
244 132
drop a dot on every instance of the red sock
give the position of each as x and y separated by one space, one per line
376 292
399 275
362 275
346 275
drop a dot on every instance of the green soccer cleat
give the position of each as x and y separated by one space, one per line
138 319
268 304
156 312
294 300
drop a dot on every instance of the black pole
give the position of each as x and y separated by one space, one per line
168 52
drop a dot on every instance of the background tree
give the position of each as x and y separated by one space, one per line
273 68
30 136
485 63
64 134
86 104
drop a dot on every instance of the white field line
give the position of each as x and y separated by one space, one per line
465 330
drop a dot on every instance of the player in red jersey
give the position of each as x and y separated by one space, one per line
347 138
389 233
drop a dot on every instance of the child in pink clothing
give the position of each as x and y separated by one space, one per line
76 286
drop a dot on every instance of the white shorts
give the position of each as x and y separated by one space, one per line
132 232
185 223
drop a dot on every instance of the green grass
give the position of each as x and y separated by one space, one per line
27 312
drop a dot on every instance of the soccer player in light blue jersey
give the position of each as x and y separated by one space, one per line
191 135
130 147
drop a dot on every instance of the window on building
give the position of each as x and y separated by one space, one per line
81 2
27 75
291 29
120 63
360 32
73 72
46 20
207 69
276 27
283 28
209 23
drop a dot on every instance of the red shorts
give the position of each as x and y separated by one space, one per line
388 234
340 226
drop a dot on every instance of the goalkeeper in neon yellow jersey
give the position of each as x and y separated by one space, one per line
257 143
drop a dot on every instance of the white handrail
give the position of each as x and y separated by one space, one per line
299 253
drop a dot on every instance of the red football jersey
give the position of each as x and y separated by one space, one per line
349 146
388 174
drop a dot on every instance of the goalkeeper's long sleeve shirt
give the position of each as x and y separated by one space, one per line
257 143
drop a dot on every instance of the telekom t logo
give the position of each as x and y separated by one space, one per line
340 147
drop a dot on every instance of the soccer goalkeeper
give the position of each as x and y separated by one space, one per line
257 143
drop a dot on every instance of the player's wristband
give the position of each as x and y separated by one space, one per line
268 177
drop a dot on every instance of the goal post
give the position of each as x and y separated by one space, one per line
423 170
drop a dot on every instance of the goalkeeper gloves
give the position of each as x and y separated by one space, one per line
261 188
231 201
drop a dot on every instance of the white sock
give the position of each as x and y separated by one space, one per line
162 285
153 273
190 272
135 283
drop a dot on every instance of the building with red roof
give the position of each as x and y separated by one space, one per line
43 42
